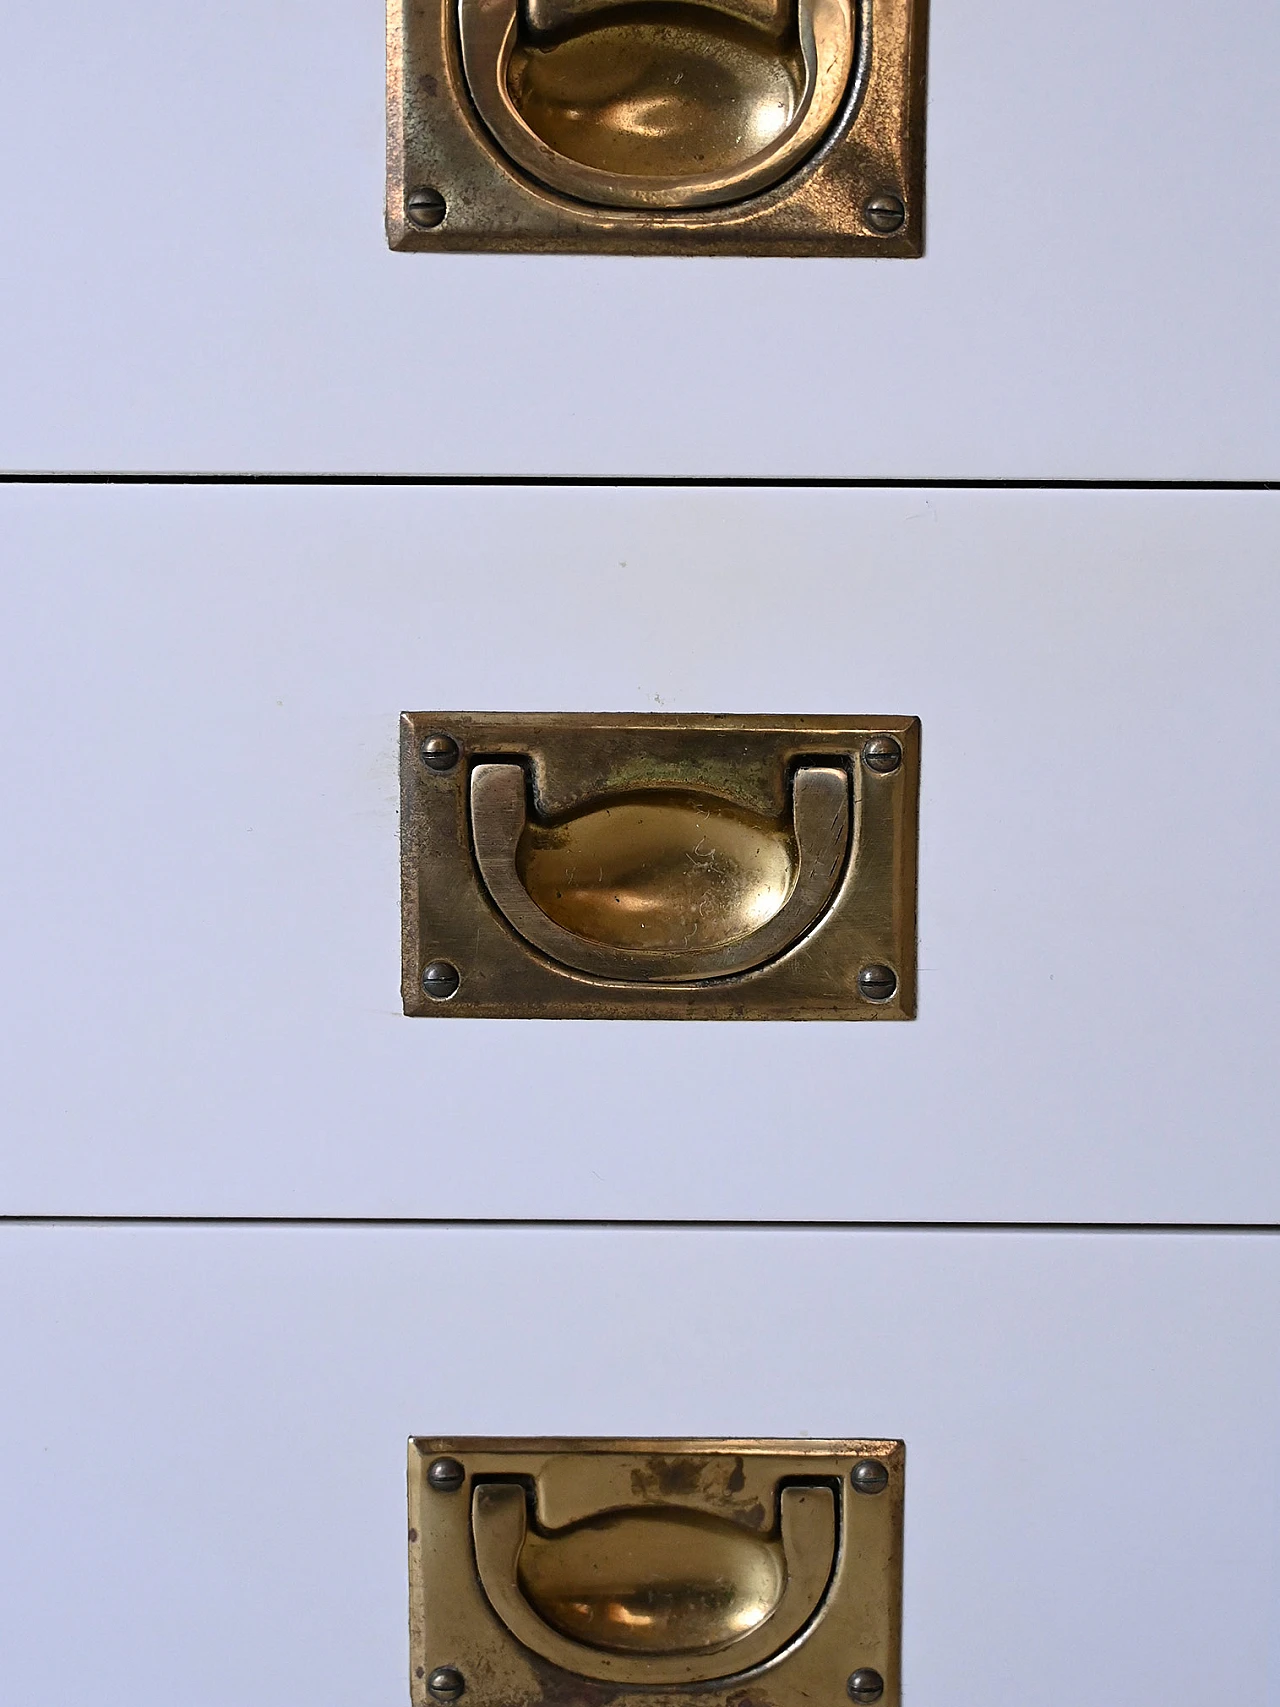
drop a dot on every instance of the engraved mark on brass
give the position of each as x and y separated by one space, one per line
556 1578
654 866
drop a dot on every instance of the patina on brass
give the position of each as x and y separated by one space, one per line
656 126
651 866
583 1572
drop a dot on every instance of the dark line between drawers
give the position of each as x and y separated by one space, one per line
1128 1228
39 477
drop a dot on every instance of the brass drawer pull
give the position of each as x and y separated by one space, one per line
654 1595
568 865
591 890
682 1573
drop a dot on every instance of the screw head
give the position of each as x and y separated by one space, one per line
881 754
869 1476
877 983
447 1683
445 1474
865 1685
440 752
885 212
424 207
441 979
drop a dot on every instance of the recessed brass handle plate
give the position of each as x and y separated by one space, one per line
649 866
657 126
565 1570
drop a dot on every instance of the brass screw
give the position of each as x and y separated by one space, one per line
877 983
885 213
881 754
865 1685
869 1476
445 1474
440 752
447 1683
441 979
424 207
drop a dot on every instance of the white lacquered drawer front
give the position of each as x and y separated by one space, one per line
201 913
199 278
204 1436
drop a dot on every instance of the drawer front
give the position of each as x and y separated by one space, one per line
201 911
198 276
204 1438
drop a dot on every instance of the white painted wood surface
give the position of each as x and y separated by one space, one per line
195 273
203 1433
199 919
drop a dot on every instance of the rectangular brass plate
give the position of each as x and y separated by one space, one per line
640 1551
582 771
826 206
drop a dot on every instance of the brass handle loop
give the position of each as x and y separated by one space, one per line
663 86
770 919
643 1585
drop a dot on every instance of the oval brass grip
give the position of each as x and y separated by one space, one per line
714 889
653 105
654 1595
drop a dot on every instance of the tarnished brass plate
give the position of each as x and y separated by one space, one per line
633 866
738 127
584 1572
